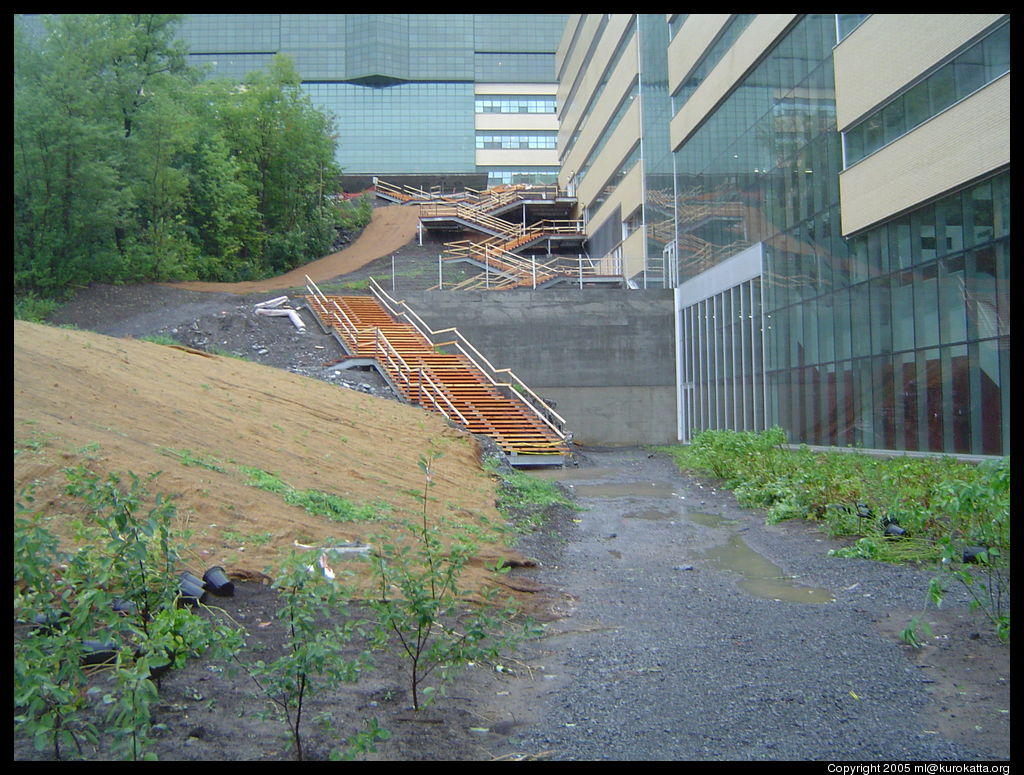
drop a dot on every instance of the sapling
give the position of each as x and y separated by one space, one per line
116 587
419 605
312 610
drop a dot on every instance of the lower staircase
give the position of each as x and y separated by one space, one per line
447 377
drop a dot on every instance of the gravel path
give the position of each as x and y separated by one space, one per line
668 656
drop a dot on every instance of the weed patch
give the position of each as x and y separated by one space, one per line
901 509
316 502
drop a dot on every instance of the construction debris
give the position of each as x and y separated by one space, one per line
272 307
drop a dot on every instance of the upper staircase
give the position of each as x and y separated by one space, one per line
442 372
499 254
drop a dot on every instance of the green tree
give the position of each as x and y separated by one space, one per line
129 168
65 165
286 149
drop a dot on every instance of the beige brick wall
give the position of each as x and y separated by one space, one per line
963 143
755 40
910 45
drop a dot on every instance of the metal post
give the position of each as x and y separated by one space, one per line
392 272
533 261
440 279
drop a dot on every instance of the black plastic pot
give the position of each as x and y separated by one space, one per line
155 671
126 607
98 652
49 621
218 582
191 588
973 553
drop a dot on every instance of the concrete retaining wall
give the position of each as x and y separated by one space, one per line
606 357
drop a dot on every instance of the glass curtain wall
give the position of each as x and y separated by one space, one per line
721 369
897 338
655 117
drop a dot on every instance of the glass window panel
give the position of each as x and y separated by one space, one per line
941 89
884 398
894 121
858 262
997 52
1002 250
982 306
987 417
969 70
872 135
899 243
952 300
957 403
860 319
881 316
908 425
810 331
826 338
979 214
1001 205
917 109
949 223
842 325
933 400
926 297
878 252
902 290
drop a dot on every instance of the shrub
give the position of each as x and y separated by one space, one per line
119 589
420 606
313 612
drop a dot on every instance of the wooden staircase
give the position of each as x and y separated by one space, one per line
447 377
499 253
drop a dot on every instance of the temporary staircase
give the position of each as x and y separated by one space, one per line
442 372
499 253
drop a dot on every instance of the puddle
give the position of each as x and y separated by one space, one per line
641 489
653 514
761 577
709 520
573 474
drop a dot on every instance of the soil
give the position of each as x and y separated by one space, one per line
118 403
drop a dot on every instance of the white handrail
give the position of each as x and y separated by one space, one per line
428 333
389 356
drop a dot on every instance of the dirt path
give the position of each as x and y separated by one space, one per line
390 229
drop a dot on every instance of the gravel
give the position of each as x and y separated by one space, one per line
666 657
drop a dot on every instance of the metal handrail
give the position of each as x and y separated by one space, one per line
418 323
348 327
424 374
392 362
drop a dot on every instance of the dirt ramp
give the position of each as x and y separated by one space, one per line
390 229
125 405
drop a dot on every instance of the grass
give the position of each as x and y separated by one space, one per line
163 339
316 502
187 458
936 500
525 500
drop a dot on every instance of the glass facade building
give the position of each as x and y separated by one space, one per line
405 89
893 338
835 275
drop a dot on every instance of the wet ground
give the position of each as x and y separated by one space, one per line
679 626
696 632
